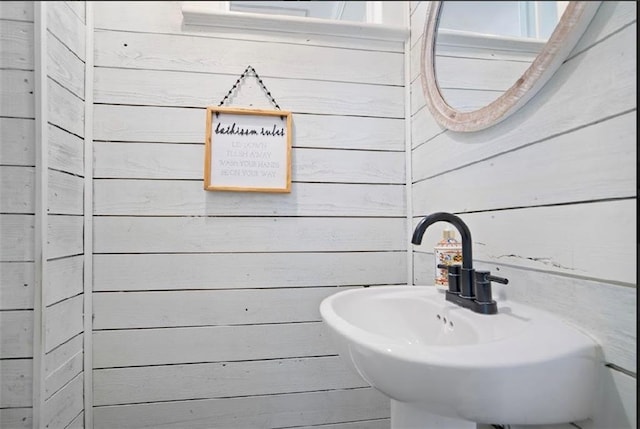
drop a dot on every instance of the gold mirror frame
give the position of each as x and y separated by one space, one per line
570 28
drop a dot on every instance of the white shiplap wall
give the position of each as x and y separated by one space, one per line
51 172
63 273
206 303
214 296
17 213
550 196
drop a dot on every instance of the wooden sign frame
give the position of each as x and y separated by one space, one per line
247 150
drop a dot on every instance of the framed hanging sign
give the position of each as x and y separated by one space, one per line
247 150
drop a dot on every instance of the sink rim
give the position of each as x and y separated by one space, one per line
502 352
480 382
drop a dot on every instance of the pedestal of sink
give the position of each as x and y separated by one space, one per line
412 416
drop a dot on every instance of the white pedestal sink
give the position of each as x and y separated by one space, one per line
445 366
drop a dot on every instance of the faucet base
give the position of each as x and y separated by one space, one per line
473 305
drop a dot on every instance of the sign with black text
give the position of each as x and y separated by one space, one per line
247 150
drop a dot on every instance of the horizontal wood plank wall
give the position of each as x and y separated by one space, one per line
550 195
63 282
17 213
206 304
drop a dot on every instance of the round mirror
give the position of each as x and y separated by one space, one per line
481 61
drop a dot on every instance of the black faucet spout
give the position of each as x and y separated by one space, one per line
467 287
454 220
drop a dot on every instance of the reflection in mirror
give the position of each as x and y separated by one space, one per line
482 48
466 66
333 10
516 19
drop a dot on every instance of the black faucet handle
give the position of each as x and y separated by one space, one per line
447 267
483 285
453 276
485 277
496 279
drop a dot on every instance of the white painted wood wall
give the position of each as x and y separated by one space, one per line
17 213
64 284
206 303
550 196
42 169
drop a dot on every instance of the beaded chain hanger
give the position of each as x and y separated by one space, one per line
244 74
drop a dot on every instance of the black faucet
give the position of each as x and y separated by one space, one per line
467 287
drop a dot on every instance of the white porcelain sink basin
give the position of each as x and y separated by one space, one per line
520 366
